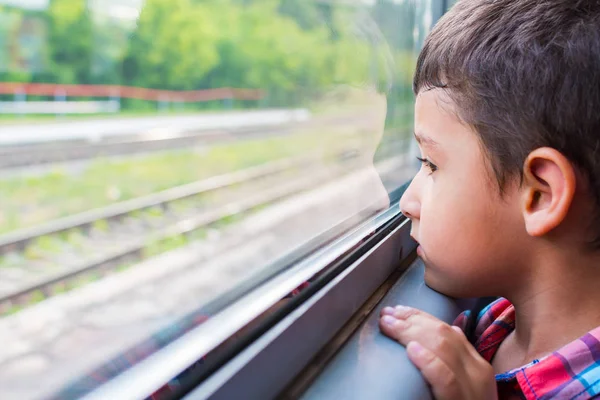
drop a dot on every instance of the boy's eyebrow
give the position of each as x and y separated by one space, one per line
425 140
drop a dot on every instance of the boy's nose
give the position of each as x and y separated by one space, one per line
409 203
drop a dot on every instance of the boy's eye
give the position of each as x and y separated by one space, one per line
432 167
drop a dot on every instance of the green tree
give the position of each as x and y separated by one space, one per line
306 13
173 47
70 39
261 47
111 41
290 48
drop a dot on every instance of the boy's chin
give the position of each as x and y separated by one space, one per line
451 286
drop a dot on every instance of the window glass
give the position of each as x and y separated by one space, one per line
451 3
157 155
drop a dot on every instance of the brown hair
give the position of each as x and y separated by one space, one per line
524 74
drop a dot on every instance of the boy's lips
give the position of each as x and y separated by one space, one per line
419 248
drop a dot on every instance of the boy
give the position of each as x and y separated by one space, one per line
507 202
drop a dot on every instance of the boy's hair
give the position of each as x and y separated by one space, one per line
524 74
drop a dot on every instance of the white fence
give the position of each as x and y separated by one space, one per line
60 107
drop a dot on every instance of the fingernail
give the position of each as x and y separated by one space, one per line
387 310
402 309
389 320
414 348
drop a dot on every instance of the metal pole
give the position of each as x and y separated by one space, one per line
60 96
20 99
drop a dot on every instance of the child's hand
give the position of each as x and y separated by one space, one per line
442 353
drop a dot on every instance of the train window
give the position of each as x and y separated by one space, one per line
170 164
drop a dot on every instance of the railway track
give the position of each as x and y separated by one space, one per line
20 156
18 240
40 154
110 316
49 259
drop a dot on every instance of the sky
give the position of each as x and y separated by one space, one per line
29 4
125 9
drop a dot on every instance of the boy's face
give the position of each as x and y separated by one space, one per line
471 239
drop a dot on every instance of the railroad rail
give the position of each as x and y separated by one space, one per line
22 156
278 181
31 155
18 240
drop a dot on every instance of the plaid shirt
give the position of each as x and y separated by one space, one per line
572 372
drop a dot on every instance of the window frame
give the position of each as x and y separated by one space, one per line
363 260
351 255
313 324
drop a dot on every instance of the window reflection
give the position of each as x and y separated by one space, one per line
159 157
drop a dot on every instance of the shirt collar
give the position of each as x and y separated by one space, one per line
572 372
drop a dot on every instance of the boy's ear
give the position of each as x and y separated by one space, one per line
549 184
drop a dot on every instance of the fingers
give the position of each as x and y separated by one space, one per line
404 312
419 321
448 362
406 325
403 323
443 380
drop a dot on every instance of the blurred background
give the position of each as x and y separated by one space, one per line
161 157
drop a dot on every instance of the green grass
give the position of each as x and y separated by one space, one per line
156 247
42 246
100 225
198 234
28 119
124 266
59 288
153 248
13 309
37 199
154 212
36 296
74 238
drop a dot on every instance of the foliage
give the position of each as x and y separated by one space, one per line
173 46
70 41
293 49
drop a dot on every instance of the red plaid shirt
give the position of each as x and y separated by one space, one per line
572 372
